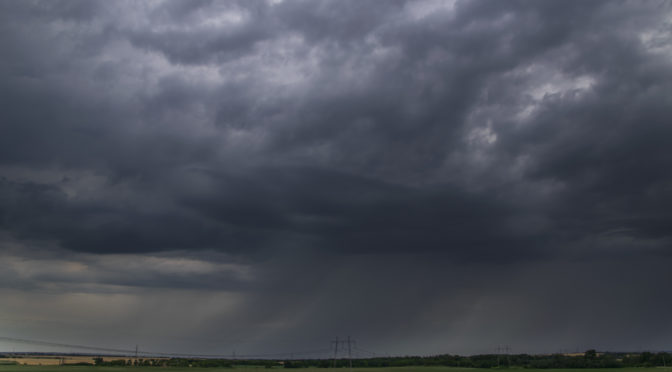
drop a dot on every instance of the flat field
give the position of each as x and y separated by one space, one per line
46 360
66 368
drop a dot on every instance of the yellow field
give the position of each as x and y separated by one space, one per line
55 360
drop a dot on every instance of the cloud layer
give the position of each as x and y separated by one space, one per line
428 177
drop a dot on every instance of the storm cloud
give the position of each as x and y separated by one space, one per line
426 176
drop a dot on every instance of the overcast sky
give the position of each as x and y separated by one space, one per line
264 176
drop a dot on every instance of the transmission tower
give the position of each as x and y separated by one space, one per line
349 343
335 343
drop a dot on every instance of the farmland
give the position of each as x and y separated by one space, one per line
72 368
54 360
597 362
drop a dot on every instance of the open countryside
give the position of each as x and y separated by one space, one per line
591 359
323 185
20 368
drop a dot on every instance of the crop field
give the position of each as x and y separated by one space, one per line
71 368
47 360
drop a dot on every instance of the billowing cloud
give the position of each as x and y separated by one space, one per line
419 175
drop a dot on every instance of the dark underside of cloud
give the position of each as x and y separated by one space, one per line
425 176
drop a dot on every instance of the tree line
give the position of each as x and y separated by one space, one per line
589 359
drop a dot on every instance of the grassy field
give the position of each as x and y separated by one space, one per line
20 368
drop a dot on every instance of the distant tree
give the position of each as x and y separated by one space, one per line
645 359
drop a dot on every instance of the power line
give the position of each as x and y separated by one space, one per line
57 344
366 351
137 351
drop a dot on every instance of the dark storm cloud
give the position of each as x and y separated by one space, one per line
325 144
353 214
37 211
244 213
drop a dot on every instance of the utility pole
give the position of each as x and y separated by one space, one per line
350 353
335 342
664 366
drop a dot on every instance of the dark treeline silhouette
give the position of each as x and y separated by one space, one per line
589 359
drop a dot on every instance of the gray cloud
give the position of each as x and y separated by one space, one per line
417 171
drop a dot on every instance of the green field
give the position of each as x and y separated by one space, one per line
19 368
